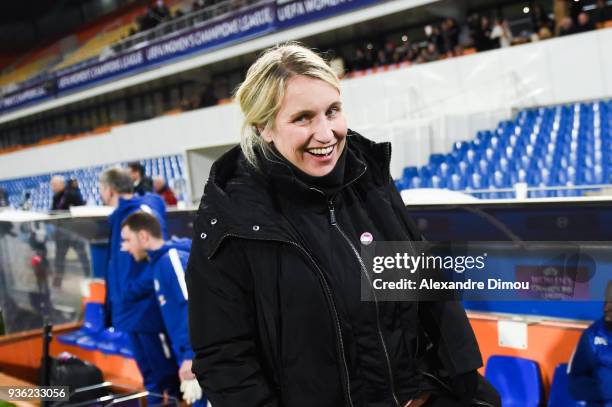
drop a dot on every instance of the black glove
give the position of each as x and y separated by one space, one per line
465 385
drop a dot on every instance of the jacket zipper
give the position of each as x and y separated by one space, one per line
333 222
329 296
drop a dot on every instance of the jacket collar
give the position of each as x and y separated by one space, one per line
174 243
282 176
240 201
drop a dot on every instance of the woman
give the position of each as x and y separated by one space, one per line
274 274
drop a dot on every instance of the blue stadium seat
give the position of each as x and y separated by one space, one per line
110 341
93 324
517 380
410 172
559 393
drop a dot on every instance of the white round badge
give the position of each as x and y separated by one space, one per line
366 238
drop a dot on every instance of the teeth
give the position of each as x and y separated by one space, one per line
321 151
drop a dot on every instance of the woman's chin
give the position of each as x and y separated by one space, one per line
319 169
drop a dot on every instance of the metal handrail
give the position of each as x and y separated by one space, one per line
175 25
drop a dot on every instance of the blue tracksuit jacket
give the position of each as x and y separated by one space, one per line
590 369
130 289
168 265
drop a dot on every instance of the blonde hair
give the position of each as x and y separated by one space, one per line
261 94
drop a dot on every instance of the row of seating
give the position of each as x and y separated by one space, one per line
562 146
94 46
93 335
91 46
171 168
519 383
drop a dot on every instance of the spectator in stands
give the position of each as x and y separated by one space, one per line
544 33
207 97
501 34
278 233
590 369
197 5
162 189
4 201
160 12
381 58
482 34
575 8
142 183
450 32
389 49
584 23
428 54
142 238
130 292
435 37
539 18
566 26
359 61
146 21
73 185
65 196
26 204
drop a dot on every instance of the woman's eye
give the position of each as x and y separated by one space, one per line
300 119
332 111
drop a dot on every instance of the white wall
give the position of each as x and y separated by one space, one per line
415 107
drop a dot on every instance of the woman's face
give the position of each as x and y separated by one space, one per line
309 129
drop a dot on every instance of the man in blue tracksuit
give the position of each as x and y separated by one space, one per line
590 369
130 290
143 238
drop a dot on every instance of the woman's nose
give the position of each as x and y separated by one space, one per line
323 132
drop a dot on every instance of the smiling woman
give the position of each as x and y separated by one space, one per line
276 317
310 128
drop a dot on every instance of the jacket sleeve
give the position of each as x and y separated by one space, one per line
444 321
222 328
448 327
137 280
581 369
171 278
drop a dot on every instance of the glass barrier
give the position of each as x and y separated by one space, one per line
46 266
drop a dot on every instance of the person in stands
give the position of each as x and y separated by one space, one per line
162 189
142 183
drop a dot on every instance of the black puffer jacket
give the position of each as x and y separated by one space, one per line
275 312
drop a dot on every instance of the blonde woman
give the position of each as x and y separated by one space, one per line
274 272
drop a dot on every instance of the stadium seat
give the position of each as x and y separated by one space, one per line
517 380
110 341
559 394
93 324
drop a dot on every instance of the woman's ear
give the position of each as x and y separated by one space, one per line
265 133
